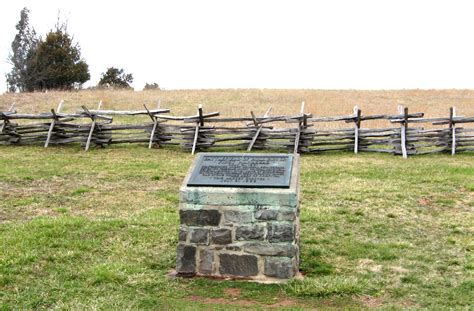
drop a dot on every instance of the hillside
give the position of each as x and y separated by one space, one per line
235 102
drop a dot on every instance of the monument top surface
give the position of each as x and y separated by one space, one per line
242 170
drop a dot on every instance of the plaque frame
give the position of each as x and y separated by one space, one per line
197 180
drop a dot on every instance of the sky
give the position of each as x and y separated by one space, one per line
337 44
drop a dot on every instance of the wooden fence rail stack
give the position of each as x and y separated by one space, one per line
405 134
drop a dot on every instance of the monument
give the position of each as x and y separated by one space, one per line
239 217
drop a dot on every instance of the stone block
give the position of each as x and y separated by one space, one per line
287 215
186 260
265 213
200 217
182 234
222 196
238 217
200 236
250 232
206 257
238 265
279 267
270 249
221 236
234 248
280 232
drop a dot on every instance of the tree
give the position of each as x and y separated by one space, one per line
23 48
151 86
115 77
57 63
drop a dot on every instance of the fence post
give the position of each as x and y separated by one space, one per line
452 126
199 123
301 124
155 124
259 128
5 118
403 128
357 113
53 123
92 124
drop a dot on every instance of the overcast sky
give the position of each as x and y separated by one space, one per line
333 44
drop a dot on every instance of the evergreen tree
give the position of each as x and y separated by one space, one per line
57 63
23 49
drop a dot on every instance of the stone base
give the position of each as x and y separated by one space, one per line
239 233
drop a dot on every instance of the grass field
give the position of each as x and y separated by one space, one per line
98 230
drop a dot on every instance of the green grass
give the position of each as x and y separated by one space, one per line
98 230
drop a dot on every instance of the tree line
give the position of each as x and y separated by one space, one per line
54 62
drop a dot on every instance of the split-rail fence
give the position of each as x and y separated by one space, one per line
405 134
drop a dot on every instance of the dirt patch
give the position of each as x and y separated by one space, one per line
369 301
223 301
232 292
369 265
282 303
235 301
398 269
424 202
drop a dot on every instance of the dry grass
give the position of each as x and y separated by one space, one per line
237 102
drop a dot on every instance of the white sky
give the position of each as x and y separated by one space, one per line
337 44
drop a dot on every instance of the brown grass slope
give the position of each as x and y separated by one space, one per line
236 102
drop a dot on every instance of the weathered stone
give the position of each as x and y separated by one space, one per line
182 234
238 217
186 260
200 236
234 248
279 267
288 215
270 249
280 232
252 232
238 265
221 236
200 217
265 213
206 258
222 196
